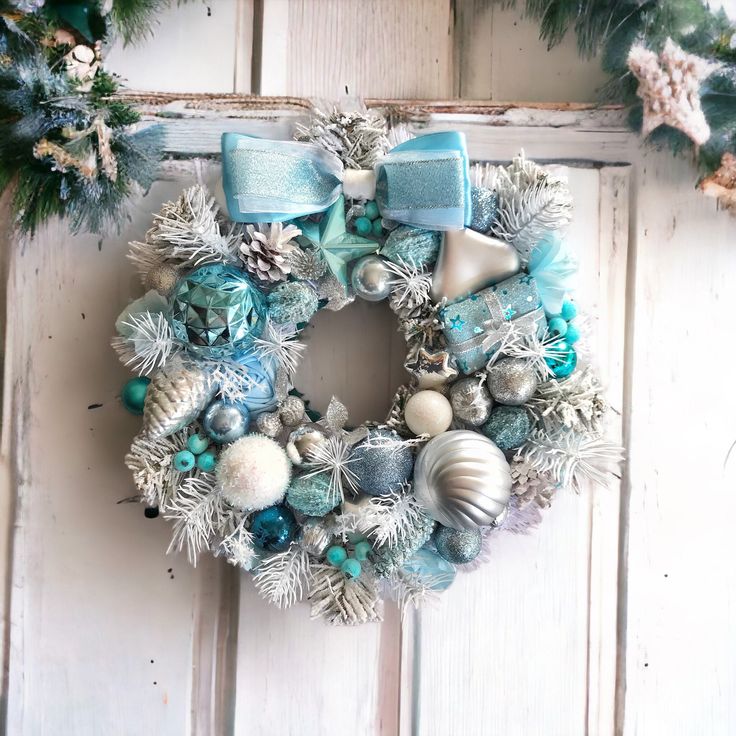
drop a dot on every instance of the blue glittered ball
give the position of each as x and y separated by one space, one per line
457 546
224 421
313 496
217 310
273 529
381 462
292 303
508 427
413 246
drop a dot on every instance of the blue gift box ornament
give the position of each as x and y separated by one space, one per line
475 327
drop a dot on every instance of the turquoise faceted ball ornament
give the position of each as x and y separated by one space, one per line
217 309
562 359
133 394
274 528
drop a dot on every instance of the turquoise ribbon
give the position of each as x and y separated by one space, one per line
423 182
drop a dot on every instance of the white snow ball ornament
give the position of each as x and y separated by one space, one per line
253 473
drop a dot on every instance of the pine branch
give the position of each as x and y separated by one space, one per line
282 578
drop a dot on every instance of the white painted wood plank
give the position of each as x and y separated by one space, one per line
680 652
336 48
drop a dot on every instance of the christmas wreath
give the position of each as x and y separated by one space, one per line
497 414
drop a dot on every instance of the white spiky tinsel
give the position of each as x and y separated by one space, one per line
283 578
333 458
237 545
148 343
412 591
279 343
393 518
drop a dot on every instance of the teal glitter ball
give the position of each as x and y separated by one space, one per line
413 246
218 310
381 462
133 394
273 529
508 427
457 546
562 359
484 206
312 496
292 303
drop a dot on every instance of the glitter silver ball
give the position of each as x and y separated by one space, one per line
269 423
485 207
304 440
162 278
224 422
371 279
314 537
512 381
458 546
471 401
291 411
381 462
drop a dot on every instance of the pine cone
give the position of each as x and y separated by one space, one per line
529 486
266 254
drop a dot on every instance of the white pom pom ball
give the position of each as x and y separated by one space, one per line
428 412
253 473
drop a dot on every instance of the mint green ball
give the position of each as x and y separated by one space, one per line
207 461
133 394
351 568
336 555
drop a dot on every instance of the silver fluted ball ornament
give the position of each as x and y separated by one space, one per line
224 422
371 279
512 381
462 479
471 401
176 396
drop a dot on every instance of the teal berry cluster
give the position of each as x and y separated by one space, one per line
560 325
339 556
562 356
369 223
198 453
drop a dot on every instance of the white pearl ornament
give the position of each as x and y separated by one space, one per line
428 412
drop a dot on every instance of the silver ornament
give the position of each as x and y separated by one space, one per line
485 207
371 279
176 396
303 441
462 479
470 261
224 422
512 381
269 423
315 536
162 278
471 402
291 411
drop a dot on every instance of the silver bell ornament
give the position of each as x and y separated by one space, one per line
304 440
224 422
470 400
462 479
512 381
371 278
176 396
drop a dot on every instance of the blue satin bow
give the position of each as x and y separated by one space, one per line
423 182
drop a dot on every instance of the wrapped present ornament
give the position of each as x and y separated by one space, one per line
475 327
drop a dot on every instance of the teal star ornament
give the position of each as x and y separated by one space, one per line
336 244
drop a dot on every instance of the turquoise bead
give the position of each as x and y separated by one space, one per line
377 228
351 568
557 326
184 461
371 210
207 461
569 311
198 444
362 549
133 394
363 226
572 335
336 555
562 360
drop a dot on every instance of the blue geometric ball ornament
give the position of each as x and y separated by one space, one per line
217 309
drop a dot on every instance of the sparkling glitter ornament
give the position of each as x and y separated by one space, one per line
274 528
485 208
162 278
270 424
413 246
471 402
218 310
508 427
291 411
428 413
304 440
512 381
470 261
371 279
224 422
457 546
176 396
381 462
292 303
313 496
431 569
253 472
314 536
462 479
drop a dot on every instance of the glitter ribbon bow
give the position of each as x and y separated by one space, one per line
422 182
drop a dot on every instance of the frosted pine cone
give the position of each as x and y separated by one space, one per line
529 486
266 254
